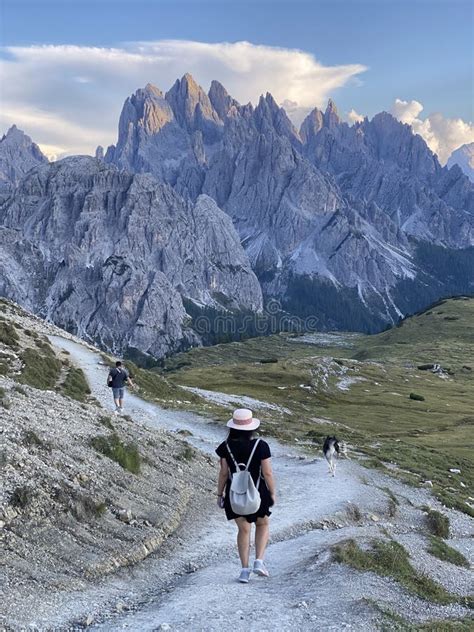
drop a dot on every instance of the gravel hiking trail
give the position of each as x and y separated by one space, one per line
191 584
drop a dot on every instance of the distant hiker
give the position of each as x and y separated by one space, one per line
246 488
118 377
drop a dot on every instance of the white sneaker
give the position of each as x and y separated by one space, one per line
244 576
259 568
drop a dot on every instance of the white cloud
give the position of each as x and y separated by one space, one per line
71 96
354 117
442 135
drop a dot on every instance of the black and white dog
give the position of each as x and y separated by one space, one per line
331 448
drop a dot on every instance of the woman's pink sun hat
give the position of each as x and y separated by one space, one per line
242 419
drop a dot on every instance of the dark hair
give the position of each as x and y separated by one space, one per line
240 435
118 363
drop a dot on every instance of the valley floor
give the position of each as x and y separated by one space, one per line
191 584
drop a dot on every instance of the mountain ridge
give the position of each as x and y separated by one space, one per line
356 224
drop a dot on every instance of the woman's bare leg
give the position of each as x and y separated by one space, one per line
262 534
243 540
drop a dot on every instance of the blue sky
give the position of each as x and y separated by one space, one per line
411 50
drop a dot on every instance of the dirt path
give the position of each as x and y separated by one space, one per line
192 585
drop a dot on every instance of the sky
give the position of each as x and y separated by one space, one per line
66 66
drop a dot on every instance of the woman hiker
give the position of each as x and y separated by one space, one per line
236 451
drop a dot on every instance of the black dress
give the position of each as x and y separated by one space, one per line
241 450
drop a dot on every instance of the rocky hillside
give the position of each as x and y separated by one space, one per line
83 492
112 256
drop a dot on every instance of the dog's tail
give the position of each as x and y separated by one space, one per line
343 449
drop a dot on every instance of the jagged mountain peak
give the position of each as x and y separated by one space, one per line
268 114
331 115
193 109
150 88
221 100
463 158
18 154
17 136
311 125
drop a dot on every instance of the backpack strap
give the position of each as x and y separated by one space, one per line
251 455
237 468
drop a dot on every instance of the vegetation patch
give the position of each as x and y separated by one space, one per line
353 512
106 421
186 454
437 522
390 559
8 334
125 454
30 438
416 397
19 389
75 385
21 496
438 548
40 370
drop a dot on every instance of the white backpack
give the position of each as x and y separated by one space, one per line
244 495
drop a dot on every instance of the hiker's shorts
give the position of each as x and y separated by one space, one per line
118 393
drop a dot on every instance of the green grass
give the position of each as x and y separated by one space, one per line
437 522
393 622
125 454
8 334
186 454
75 385
463 625
390 559
41 370
422 439
106 421
443 551
30 438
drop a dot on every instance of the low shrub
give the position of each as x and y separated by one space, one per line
8 334
21 496
416 397
125 454
40 371
186 454
353 512
75 385
106 422
437 522
438 548
30 438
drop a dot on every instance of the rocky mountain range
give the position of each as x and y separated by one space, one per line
111 255
353 225
464 158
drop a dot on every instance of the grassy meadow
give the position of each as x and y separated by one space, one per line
368 390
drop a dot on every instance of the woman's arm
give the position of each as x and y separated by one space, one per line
222 478
268 476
